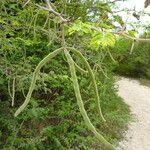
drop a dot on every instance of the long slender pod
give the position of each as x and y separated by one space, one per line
9 91
78 53
34 78
13 92
80 69
12 95
132 47
111 56
108 145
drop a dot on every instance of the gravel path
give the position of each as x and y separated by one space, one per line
138 98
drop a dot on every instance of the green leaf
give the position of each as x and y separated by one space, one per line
80 27
132 33
119 20
2 20
103 39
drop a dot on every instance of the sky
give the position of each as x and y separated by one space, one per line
139 6
138 3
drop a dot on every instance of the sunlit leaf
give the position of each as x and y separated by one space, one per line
103 39
80 27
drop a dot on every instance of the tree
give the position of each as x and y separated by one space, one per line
34 29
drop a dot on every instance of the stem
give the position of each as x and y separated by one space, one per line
50 9
34 78
26 3
92 78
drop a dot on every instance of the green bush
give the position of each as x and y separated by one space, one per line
135 64
52 119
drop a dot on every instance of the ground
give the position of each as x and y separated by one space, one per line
137 97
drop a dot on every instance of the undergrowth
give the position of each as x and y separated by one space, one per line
52 119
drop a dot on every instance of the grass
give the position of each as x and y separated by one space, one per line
145 82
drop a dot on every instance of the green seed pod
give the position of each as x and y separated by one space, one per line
108 145
34 78
91 74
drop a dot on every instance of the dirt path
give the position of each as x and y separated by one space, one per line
138 98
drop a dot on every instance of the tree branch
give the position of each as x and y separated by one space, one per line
50 9
122 33
132 38
63 20
26 3
114 1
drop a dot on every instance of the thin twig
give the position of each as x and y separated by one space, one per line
132 38
26 3
50 9
123 34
